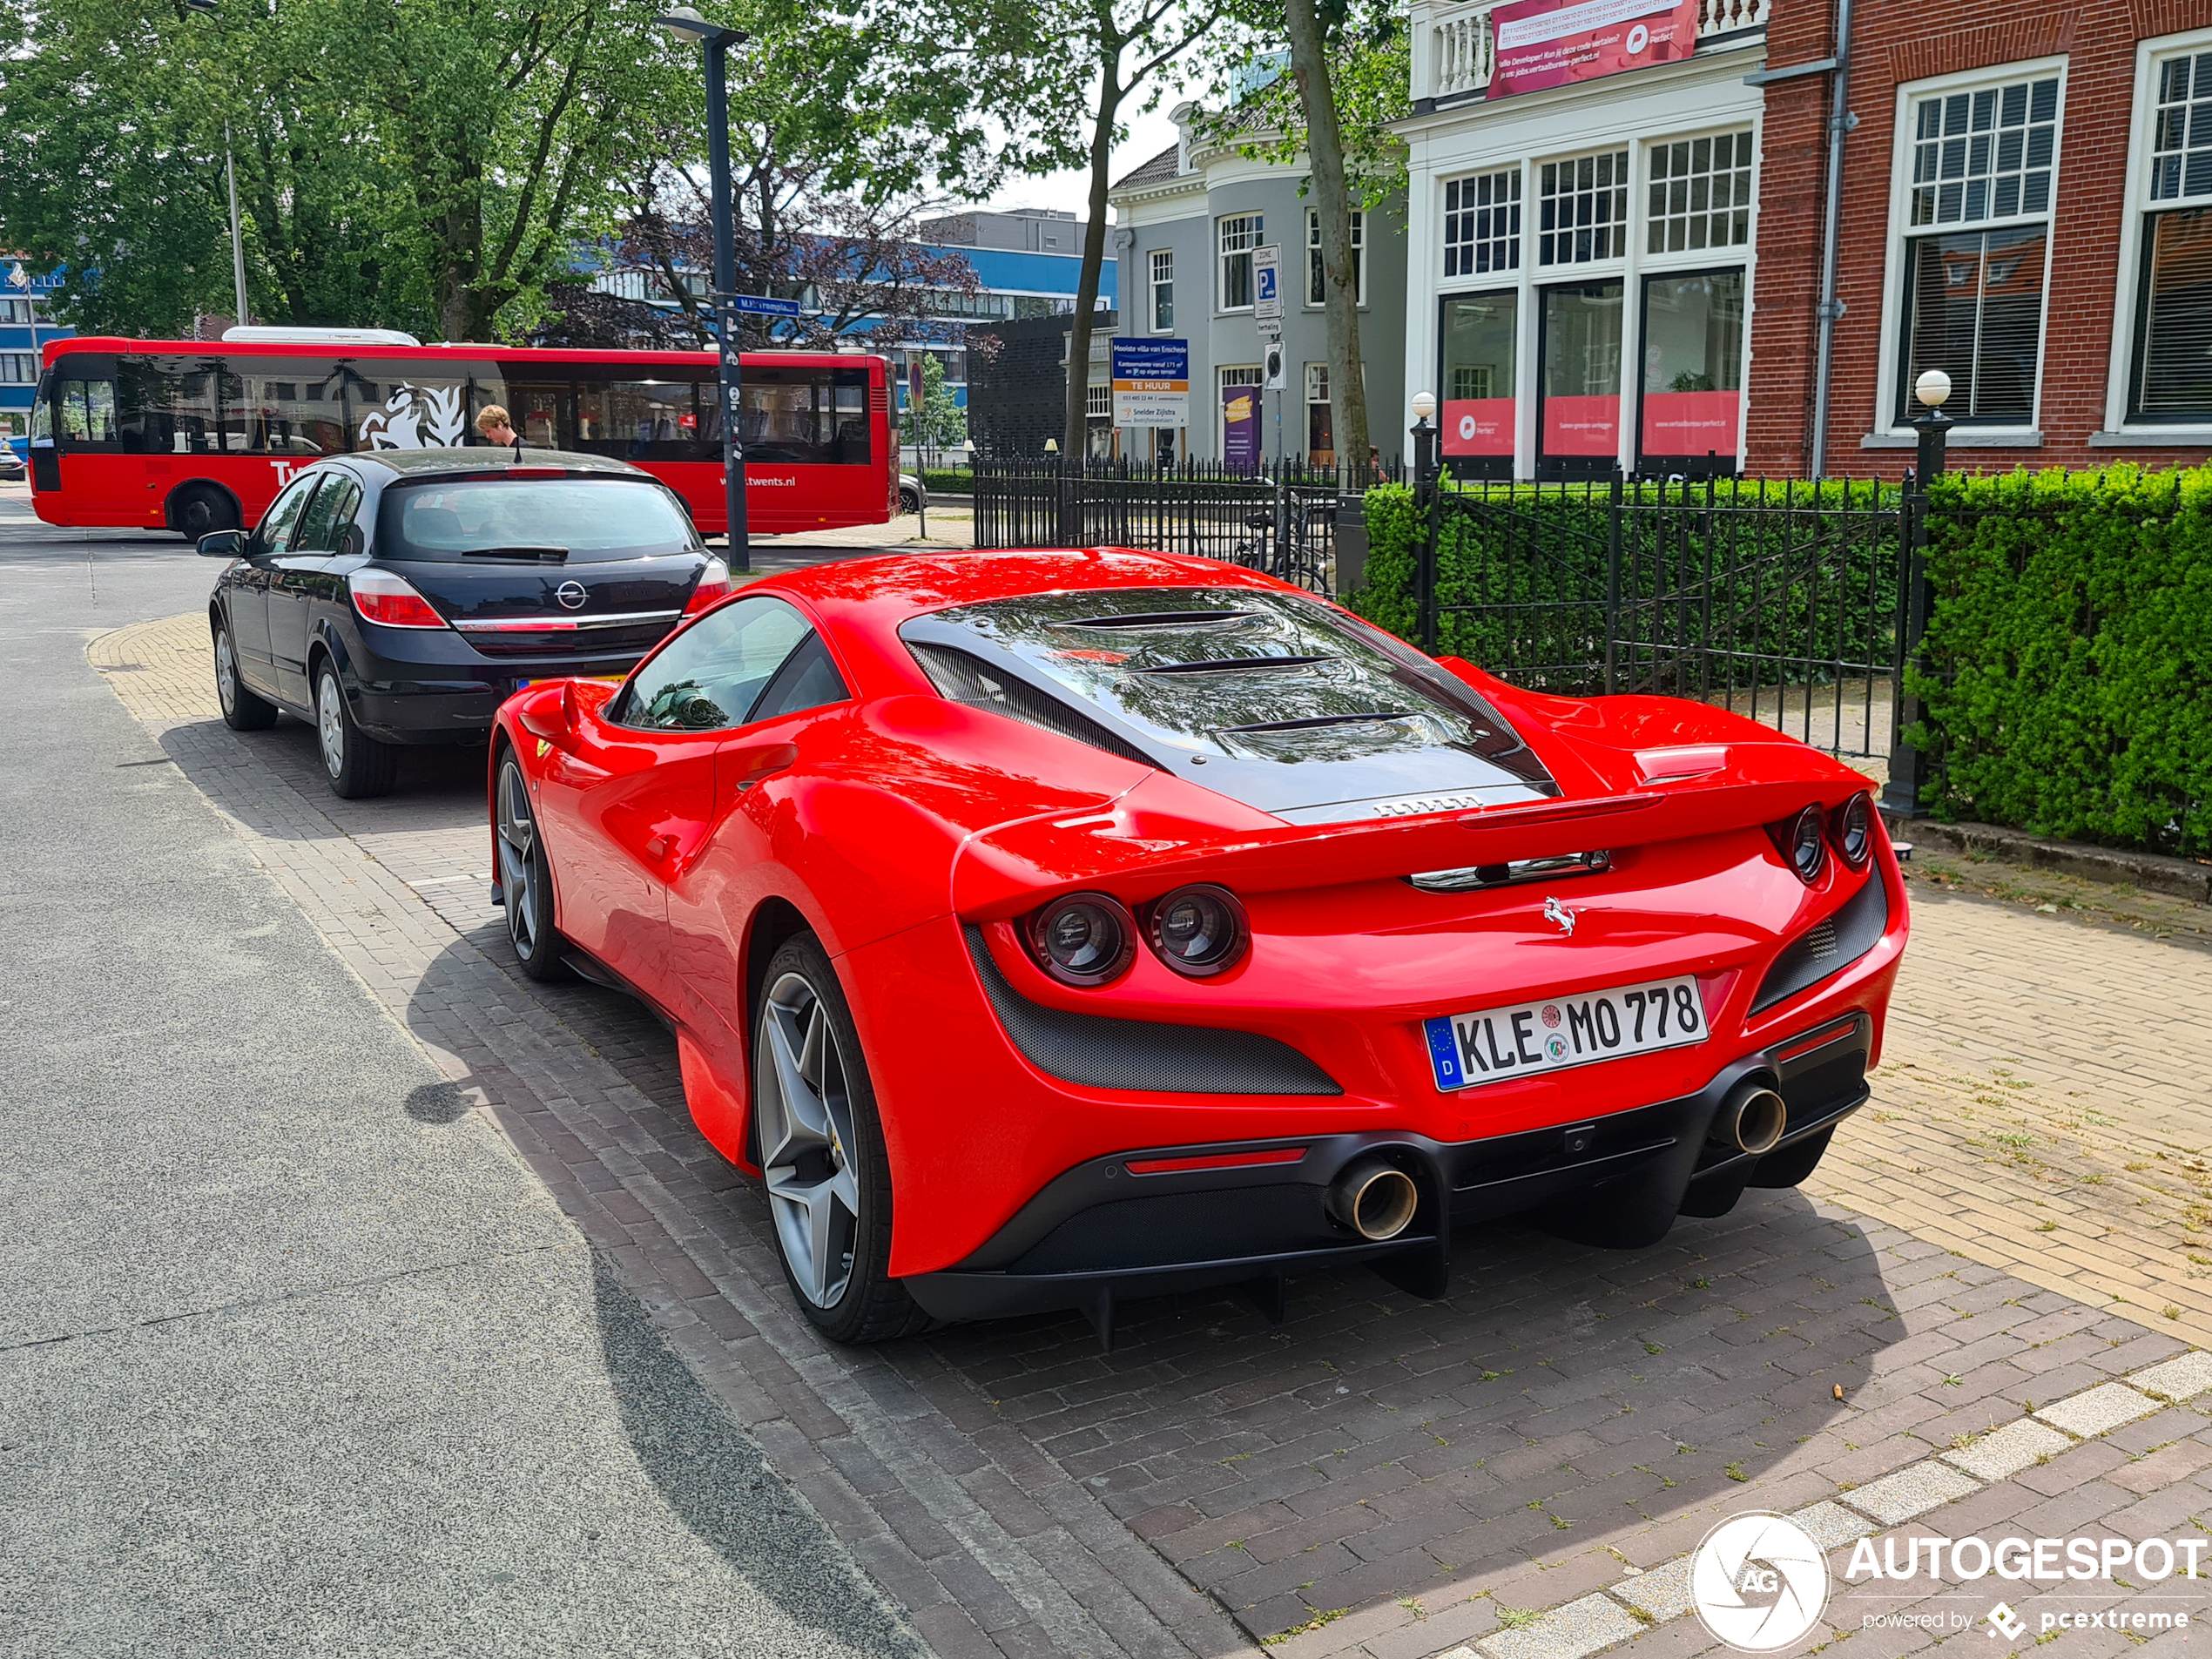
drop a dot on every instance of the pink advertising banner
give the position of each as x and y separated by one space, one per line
1556 43
1477 426
1691 423
1581 426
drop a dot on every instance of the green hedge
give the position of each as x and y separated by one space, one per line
949 480
2069 649
1801 573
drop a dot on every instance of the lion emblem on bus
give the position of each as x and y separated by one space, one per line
416 417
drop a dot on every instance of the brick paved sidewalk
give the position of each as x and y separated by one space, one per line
1381 1475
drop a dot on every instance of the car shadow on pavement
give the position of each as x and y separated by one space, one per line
715 1479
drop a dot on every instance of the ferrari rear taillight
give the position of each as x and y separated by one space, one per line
1803 841
1198 930
390 601
714 584
1853 830
1084 939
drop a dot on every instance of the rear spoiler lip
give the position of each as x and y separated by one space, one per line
1148 849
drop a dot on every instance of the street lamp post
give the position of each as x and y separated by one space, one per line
230 175
1425 435
714 42
1908 766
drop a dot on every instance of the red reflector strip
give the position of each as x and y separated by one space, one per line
1827 1034
1215 1161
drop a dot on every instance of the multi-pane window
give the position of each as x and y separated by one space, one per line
1985 154
1482 224
1582 208
1098 402
2172 377
1162 289
2180 163
1701 193
1317 275
18 367
15 311
1985 158
1240 233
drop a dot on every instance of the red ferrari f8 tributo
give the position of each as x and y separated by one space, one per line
1047 929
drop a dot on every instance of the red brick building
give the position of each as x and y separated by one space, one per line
1618 270
2027 205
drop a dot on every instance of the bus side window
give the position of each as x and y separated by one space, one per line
87 411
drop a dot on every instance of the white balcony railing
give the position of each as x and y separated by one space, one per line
1461 50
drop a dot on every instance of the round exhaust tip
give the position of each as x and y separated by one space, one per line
1751 1120
1375 1199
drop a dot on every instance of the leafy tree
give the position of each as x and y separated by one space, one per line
1050 70
938 422
1348 79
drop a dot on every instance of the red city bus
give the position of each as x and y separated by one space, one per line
195 436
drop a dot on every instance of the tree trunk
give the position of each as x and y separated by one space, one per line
1332 206
1076 434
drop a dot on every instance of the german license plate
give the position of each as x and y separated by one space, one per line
1530 1039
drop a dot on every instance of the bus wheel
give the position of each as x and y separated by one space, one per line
198 509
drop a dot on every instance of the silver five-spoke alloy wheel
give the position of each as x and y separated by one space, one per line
517 841
226 671
330 724
806 1119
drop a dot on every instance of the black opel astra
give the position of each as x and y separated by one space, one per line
400 595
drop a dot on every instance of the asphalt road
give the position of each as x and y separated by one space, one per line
295 1355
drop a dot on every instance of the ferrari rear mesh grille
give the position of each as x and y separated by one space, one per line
1829 946
1140 1055
960 677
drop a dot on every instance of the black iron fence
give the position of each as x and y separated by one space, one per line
1785 602
1281 519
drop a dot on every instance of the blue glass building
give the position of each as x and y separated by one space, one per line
24 330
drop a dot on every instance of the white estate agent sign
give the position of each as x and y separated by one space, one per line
1152 383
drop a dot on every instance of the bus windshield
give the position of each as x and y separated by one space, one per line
577 520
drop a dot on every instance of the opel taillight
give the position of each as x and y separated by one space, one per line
714 584
390 602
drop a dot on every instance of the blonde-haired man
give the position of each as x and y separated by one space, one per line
498 427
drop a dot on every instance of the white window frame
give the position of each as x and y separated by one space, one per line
1624 228
1358 259
1515 205
21 368
1155 259
1712 253
2136 206
1222 254
1884 425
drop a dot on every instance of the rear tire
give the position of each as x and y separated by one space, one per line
201 509
526 879
354 764
828 1177
242 711
909 503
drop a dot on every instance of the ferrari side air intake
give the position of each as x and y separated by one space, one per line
1751 1118
1375 1199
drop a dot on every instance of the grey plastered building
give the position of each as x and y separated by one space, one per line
1185 224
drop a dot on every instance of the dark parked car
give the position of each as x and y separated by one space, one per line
400 595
